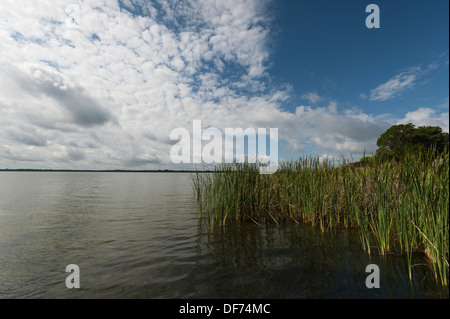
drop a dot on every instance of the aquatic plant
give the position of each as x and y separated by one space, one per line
395 205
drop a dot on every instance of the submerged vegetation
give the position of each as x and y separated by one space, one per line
397 206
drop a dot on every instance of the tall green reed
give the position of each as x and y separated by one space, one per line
394 205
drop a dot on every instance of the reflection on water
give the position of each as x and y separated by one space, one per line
136 235
298 261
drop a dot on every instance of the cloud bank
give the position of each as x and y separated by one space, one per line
101 84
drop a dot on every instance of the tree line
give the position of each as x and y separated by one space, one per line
400 140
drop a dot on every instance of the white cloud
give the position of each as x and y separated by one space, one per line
405 80
91 91
333 107
106 92
396 85
349 131
312 97
426 117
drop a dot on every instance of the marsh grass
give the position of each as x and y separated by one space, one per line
397 207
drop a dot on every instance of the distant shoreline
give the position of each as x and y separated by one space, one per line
102 171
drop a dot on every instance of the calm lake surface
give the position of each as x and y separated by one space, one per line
136 235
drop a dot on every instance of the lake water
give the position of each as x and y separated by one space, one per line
136 235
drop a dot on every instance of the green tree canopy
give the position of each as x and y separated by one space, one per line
401 139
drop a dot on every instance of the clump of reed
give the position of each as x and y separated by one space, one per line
396 206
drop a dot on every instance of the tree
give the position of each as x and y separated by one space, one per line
393 143
431 136
402 139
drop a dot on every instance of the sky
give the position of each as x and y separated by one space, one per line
102 84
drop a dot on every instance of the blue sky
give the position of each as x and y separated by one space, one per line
101 84
325 47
